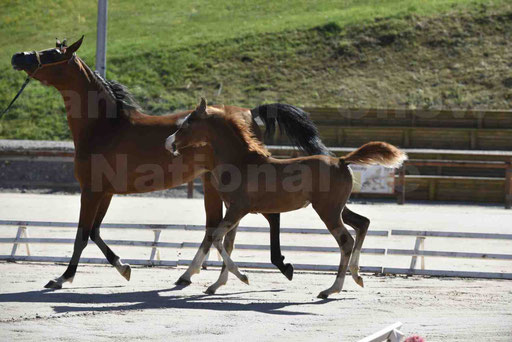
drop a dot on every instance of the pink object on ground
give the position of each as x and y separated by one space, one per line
415 338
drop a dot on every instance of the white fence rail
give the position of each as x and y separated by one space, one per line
22 239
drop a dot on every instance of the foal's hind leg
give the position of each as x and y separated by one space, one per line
360 225
275 246
229 241
345 242
124 269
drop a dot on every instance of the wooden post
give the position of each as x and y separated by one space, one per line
190 189
21 233
154 250
418 246
508 185
401 186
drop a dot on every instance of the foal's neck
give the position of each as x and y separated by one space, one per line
229 147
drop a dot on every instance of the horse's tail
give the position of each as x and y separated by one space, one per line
295 123
376 152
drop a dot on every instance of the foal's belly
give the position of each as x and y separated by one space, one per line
278 203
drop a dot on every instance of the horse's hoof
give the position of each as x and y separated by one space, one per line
288 272
52 284
182 282
244 279
323 295
210 291
127 273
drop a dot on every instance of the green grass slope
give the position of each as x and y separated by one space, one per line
380 53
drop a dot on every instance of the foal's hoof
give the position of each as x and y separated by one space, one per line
52 284
127 272
244 279
288 271
359 281
182 282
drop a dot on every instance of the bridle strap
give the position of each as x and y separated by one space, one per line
40 65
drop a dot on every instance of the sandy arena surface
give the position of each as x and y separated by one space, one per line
101 305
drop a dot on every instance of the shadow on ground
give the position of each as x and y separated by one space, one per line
155 299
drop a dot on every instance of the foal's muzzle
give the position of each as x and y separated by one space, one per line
170 145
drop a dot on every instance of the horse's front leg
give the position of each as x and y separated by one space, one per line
124 269
276 256
89 204
213 206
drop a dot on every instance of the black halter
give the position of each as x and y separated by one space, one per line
39 66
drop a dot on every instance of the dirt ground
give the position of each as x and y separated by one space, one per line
102 306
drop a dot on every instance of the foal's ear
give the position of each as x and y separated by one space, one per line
201 109
75 46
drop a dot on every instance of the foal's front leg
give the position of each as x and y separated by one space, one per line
229 241
213 206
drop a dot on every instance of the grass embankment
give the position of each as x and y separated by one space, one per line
372 53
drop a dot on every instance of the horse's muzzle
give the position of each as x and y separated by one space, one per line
22 60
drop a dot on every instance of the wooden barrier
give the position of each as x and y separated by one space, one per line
154 259
504 165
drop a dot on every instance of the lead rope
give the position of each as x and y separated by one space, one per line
23 85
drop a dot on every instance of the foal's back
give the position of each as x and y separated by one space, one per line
295 183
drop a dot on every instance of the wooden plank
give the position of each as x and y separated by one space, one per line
445 254
464 235
446 273
176 245
179 227
385 334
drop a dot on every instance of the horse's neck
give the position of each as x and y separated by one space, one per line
87 104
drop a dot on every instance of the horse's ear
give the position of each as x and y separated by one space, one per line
201 109
75 46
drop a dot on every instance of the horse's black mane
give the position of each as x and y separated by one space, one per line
123 98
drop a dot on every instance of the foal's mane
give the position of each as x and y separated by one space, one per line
244 130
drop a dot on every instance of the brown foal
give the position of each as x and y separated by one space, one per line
119 150
251 181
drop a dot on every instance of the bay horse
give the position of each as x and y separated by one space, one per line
323 181
119 150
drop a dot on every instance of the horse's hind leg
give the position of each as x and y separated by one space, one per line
89 204
345 242
360 225
113 259
229 241
275 246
